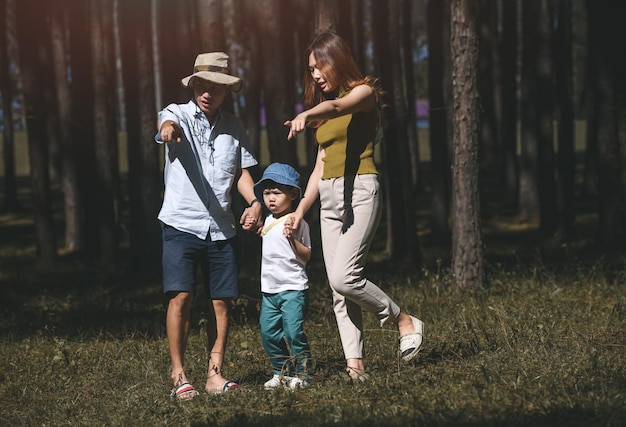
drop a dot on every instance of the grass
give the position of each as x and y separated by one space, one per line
539 347
544 345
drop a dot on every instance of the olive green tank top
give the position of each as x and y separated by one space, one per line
349 144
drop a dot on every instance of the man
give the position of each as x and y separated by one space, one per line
207 152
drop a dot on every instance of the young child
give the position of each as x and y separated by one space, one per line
284 281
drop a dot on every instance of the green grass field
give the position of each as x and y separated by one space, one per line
544 345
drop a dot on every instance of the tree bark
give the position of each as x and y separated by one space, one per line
530 119
11 201
85 198
440 163
406 42
608 102
74 238
490 148
509 49
402 243
252 57
144 176
32 48
544 108
178 49
105 134
327 15
277 77
211 30
566 159
467 247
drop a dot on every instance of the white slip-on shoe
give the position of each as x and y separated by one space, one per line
410 343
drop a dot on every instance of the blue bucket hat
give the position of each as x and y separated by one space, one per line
280 174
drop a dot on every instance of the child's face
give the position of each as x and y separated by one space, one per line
278 198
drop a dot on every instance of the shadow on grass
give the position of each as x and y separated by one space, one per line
74 300
555 418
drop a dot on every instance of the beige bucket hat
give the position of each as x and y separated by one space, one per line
213 67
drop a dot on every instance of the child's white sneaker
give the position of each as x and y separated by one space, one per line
294 383
273 383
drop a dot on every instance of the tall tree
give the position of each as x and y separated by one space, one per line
105 133
350 26
32 38
590 174
211 30
608 100
74 238
566 160
508 116
407 41
178 48
7 16
277 75
327 15
490 153
544 108
251 91
438 115
144 176
467 247
537 183
402 240
87 237
304 29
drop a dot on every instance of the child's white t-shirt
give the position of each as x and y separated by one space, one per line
281 270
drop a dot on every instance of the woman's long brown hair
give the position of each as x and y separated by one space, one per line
336 63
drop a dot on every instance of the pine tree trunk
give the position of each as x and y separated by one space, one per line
11 201
145 180
407 41
104 128
604 26
489 151
440 164
178 49
529 171
85 199
467 247
508 125
544 108
32 47
566 159
69 174
277 80
402 242
211 30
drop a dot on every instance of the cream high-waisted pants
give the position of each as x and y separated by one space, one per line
345 251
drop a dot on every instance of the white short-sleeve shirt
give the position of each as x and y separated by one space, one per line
200 171
281 270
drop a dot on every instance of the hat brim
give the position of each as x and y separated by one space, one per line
219 78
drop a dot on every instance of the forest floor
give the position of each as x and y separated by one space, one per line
543 345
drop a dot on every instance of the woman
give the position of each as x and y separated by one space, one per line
341 104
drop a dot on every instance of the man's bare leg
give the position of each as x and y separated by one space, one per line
217 334
177 326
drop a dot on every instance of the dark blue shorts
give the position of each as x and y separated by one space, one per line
184 252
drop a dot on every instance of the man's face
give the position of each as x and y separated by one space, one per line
209 96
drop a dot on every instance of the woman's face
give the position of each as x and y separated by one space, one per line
317 76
